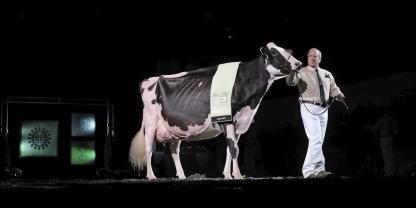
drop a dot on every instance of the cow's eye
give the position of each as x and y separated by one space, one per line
274 52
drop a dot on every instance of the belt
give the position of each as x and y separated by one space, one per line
314 103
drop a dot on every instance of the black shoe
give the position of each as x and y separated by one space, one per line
12 172
103 173
311 176
324 174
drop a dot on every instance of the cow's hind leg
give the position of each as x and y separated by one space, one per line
150 142
174 149
149 135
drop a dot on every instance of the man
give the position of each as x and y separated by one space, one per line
315 86
385 130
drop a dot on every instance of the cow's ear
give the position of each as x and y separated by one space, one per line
265 52
271 45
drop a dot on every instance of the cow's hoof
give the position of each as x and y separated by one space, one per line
238 176
151 177
228 177
182 177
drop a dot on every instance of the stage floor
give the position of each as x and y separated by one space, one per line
211 191
197 182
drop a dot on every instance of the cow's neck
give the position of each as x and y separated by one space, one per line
252 82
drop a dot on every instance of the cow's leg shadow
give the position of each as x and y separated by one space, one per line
174 149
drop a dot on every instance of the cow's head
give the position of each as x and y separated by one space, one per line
279 61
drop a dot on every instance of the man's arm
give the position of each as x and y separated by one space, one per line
334 90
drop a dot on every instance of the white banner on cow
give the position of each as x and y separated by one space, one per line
221 91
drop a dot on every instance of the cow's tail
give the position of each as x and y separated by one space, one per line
137 155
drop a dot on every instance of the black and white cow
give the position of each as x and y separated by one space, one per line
177 107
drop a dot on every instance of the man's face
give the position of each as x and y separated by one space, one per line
314 58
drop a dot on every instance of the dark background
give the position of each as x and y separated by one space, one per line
44 43
104 50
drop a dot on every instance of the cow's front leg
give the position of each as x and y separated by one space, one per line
227 166
232 153
236 168
174 149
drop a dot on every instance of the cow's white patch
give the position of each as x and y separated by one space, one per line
149 95
175 75
275 74
193 133
243 119
148 82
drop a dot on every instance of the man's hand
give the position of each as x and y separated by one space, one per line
340 97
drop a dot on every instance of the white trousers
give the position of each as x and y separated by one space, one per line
315 128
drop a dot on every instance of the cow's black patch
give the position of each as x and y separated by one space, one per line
141 88
151 86
250 84
185 100
233 149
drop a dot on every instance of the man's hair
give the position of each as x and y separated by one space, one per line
317 51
